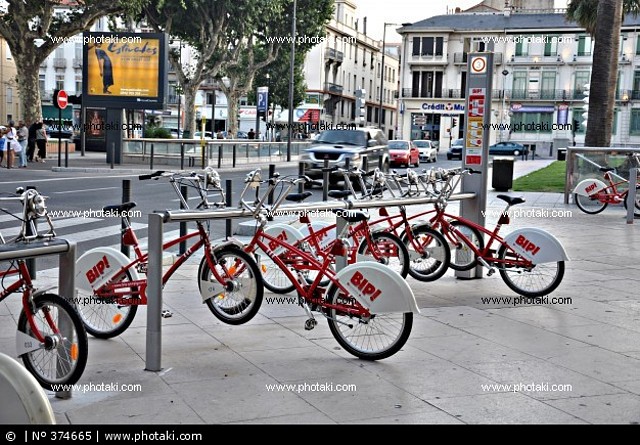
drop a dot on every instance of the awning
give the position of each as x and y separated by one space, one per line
49 113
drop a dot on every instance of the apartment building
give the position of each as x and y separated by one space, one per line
346 60
541 65
9 99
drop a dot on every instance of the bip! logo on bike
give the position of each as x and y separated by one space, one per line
365 286
98 270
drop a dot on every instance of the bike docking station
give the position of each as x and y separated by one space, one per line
39 246
632 196
156 221
475 154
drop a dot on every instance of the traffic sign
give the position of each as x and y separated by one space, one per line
62 99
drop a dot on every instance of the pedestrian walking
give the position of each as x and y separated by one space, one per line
31 142
41 142
23 136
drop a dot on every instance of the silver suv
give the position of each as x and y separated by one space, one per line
339 145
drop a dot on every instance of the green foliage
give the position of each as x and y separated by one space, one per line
548 179
585 12
157 133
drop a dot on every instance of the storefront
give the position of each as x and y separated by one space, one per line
438 121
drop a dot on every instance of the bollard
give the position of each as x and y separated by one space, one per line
66 154
184 191
228 187
219 155
325 179
234 155
365 163
182 156
272 172
31 262
247 145
380 163
126 197
301 173
347 166
113 154
151 159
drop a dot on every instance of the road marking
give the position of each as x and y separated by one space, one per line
71 178
85 190
57 224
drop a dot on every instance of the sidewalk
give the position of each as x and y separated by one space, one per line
459 365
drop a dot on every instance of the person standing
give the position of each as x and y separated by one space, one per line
41 142
31 142
10 143
23 135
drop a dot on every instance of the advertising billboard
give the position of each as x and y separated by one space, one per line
124 70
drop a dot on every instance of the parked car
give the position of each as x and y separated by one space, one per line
207 135
455 151
428 151
339 145
55 133
507 149
402 152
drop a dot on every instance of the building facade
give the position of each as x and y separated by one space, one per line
541 66
9 99
346 60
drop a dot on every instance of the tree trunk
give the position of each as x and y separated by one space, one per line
189 108
29 88
232 106
600 119
613 78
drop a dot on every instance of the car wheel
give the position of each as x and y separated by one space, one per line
449 157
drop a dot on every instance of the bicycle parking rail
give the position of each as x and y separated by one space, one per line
153 353
632 195
66 251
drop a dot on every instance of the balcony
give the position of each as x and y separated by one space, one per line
444 94
209 84
173 99
77 63
59 63
333 55
461 58
46 95
332 88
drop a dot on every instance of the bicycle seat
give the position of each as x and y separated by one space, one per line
351 216
511 200
607 169
124 207
298 197
338 194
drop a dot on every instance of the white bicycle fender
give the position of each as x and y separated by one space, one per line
378 288
325 238
284 233
536 245
97 266
589 186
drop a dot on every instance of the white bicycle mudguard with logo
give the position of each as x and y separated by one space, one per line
378 288
282 232
536 245
97 266
588 187
326 237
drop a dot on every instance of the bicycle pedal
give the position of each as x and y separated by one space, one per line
491 272
166 313
310 323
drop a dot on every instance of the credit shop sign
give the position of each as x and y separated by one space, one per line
443 108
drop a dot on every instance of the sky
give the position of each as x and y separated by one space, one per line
402 11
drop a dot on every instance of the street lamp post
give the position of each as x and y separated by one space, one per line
505 73
291 79
384 38
266 113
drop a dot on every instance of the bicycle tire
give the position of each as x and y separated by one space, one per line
394 246
540 270
582 202
273 278
462 257
364 345
232 308
70 354
433 262
107 320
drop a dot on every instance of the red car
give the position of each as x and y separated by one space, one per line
404 153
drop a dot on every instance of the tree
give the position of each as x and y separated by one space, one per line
25 23
278 81
269 39
603 20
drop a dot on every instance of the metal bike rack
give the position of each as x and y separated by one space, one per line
631 196
153 354
66 251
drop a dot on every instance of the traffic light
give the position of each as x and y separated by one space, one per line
585 107
75 99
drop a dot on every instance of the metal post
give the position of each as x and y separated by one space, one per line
272 172
66 154
341 261
301 173
347 166
113 154
234 155
219 155
31 262
229 203
153 355
59 138
67 289
632 195
365 163
126 197
184 191
151 160
325 179
182 156
291 80
380 163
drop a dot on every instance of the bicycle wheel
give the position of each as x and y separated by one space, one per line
273 277
240 296
103 319
589 204
378 337
429 252
61 359
636 210
535 281
391 250
462 256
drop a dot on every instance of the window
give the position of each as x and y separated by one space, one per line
427 46
577 116
371 64
522 46
370 86
78 85
634 124
551 46
41 79
7 50
635 94
531 122
584 45
9 95
582 78
638 45
59 81
59 54
548 86
416 46
364 56
78 51
519 84
439 46
355 83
